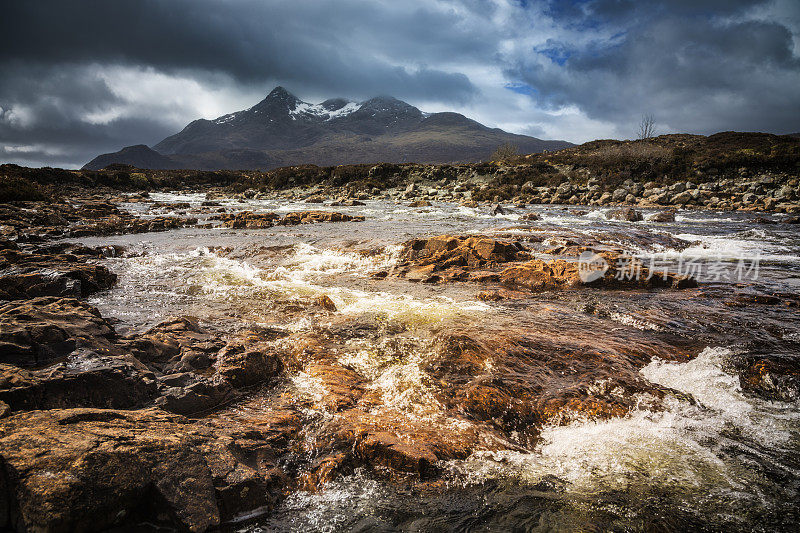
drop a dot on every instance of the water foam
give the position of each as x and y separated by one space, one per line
309 273
747 246
676 448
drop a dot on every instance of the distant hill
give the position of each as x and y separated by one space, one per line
282 130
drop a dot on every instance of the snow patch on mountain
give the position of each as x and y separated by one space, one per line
304 108
224 119
344 111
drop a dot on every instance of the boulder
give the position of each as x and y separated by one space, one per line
496 209
664 216
627 214
681 199
243 364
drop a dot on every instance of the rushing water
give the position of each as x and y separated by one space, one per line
712 457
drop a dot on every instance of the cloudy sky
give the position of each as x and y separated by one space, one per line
83 77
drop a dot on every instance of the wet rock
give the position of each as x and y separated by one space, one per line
201 395
559 274
24 275
89 469
243 364
627 214
347 202
386 449
664 216
37 331
107 219
530 217
326 303
175 345
771 378
497 209
247 219
87 379
445 251
423 274
310 217
518 380
420 203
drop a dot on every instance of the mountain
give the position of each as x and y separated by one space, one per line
140 156
283 130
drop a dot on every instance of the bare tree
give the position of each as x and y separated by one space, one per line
505 152
647 127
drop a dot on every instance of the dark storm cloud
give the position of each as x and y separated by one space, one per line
89 76
351 48
699 66
303 43
45 116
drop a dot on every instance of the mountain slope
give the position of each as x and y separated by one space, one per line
283 130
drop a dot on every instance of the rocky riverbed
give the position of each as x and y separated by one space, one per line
320 360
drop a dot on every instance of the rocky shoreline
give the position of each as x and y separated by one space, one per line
193 426
725 171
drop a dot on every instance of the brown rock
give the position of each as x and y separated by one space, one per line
386 449
310 217
89 469
664 216
559 273
176 345
627 214
326 303
36 331
244 365
247 219
25 275
86 380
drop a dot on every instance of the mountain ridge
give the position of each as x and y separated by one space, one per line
283 130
